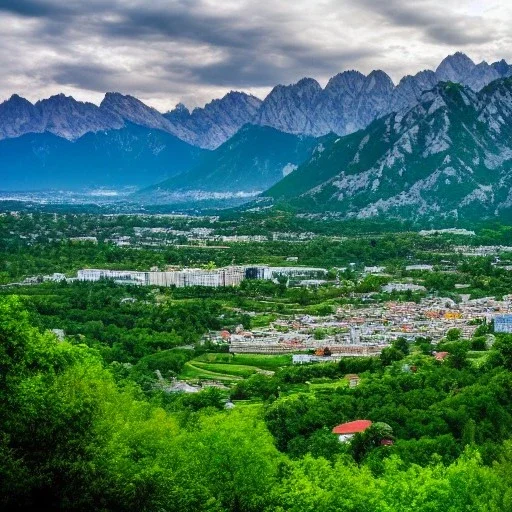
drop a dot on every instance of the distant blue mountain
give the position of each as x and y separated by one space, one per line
130 156
252 160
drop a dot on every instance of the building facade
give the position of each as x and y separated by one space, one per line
503 323
226 276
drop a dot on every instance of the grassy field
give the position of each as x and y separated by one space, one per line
192 372
265 362
236 370
230 367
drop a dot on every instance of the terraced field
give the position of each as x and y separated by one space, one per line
265 362
229 367
192 372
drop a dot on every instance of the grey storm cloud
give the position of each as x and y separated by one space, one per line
438 24
166 51
34 8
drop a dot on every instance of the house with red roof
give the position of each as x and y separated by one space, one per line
346 431
441 356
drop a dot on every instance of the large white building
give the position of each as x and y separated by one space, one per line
266 272
121 276
227 276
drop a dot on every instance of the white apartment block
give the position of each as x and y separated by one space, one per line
125 276
227 276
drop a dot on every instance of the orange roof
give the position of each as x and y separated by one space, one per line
352 427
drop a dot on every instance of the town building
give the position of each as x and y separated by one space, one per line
119 276
346 431
419 267
226 276
503 323
403 287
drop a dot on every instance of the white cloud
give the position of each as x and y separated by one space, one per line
194 50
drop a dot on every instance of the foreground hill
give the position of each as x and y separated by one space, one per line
448 156
130 156
251 161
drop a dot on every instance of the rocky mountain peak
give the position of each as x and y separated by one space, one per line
347 82
180 107
233 99
68 118
179 114
135 111
18 116
502 67
218 120
16 99
305 87
378 80
455 68
59 97
307 82
290 108
114 100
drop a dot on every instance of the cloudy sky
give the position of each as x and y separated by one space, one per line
165 51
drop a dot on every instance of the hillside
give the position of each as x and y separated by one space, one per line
251 161
448 156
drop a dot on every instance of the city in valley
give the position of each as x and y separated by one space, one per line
316 314
344 344
255 256
359 329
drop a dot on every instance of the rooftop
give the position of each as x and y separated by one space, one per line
352 427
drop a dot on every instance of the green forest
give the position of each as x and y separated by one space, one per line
87 420
76 436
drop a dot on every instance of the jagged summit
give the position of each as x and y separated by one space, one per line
179 114
135 111
379 78
350 81
502 67
454 67
16 98
448 156
218 120
349 102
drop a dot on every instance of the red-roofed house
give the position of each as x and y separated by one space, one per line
346 431
440 356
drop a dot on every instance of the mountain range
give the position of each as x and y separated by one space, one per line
130 156
436 144
349 102
448 156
